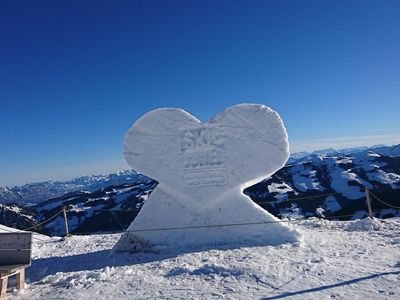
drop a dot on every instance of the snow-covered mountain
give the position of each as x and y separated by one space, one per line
106 210
16 217
332 184
32 193
381 149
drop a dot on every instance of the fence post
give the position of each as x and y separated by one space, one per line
368 202
65 221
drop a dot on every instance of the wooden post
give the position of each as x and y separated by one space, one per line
368 202
21 279
3 285
65 222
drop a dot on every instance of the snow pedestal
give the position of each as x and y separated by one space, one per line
202 169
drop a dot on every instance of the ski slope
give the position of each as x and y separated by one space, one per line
341 260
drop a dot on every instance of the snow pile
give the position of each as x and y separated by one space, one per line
367 224
80 280
203 168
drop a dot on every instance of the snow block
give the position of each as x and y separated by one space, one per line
203 168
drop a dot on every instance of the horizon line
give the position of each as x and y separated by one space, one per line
114 166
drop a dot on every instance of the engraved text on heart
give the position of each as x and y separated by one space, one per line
204 157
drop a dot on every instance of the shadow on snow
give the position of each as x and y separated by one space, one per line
325 287
98 260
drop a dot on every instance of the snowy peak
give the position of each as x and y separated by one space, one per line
381 149
32 193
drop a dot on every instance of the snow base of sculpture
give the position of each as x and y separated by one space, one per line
233 220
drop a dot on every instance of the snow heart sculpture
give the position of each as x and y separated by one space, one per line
202 169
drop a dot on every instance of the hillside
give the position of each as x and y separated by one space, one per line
331 184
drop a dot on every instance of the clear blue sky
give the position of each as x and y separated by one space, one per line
74 75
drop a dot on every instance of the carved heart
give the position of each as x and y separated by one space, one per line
204 160
201 168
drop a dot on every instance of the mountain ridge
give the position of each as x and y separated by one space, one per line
319 184
32 193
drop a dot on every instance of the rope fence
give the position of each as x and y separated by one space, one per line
235 224
44 222
219 225
112 212
380 200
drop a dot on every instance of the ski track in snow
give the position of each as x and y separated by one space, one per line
342 260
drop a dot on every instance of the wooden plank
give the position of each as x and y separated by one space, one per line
15 248
15 257
12 239
9 269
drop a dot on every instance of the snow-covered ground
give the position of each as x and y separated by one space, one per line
353 259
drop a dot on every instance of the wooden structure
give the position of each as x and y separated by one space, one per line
15 256
370 214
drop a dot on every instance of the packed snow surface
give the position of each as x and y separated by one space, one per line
202 168
342 260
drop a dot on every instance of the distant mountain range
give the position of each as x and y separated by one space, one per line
111 208
32 193
324 183
381 149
